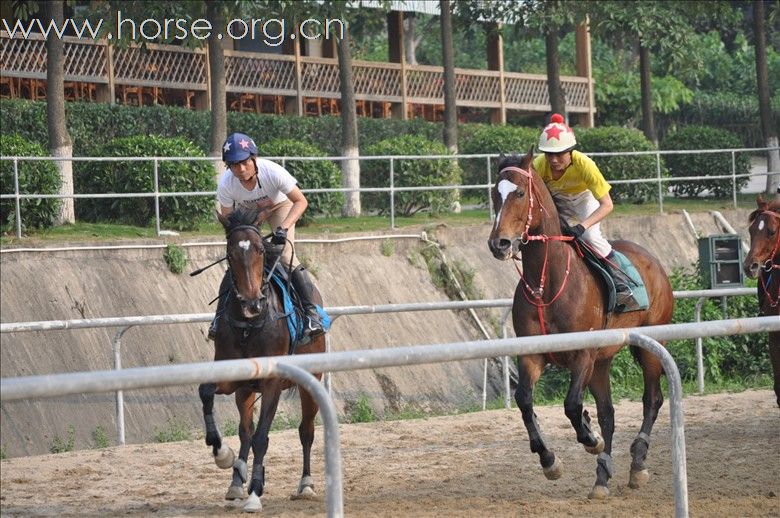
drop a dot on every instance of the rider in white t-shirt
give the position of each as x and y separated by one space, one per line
253 182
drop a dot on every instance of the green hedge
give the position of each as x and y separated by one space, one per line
494 140
310 175
409 173
178 212
36 177
591 140
704 164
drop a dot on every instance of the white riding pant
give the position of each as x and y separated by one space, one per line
575 208
275 220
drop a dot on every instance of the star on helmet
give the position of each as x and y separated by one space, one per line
244 143
226 147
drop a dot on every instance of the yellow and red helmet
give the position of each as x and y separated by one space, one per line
556 137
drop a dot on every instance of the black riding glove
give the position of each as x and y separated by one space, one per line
577 231
280 236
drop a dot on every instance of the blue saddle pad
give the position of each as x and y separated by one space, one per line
624 263
294 320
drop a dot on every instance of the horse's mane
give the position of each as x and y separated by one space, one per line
513 160
240 217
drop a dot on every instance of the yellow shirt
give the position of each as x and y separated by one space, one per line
581 175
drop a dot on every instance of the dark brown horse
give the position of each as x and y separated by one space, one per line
763 261
253 324
559 294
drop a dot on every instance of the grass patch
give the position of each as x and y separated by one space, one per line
62 445
178 430
176 258
360 410
3 454
100 437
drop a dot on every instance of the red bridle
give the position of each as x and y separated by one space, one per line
770 265
525 238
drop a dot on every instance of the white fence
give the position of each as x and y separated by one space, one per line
296 368
661 181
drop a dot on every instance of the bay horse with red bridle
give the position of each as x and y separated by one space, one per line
254 324
558 293
763 261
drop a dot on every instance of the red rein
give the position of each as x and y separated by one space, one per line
534 296
770 265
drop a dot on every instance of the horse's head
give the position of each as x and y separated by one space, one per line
246 257
764 236
514 195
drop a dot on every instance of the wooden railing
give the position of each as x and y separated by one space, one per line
167 66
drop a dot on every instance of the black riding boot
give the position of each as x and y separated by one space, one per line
624 294
223 287
304 288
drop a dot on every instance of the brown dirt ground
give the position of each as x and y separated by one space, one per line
474 464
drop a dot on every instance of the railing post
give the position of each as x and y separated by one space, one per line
507 397
120 399
392 193
679 464
17 199
334 502
699 351
660 187
156 198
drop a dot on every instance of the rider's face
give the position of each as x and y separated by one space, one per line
243 170
559 161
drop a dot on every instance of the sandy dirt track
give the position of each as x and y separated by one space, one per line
468 465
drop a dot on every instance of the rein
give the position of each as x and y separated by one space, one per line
534 296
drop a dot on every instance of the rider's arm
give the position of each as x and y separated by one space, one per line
605 207
296 211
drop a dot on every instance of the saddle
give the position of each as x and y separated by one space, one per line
600 268
280 280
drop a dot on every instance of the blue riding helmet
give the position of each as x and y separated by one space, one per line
237 148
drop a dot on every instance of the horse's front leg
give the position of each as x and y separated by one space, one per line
271 391
223 454
309 411
529 368
602 393
246 427
581 368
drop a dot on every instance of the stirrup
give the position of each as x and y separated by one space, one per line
312 327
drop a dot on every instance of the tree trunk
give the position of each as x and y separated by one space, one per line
648 124
768 129
217 86
410 39
59 140
448 62
554 88
350 169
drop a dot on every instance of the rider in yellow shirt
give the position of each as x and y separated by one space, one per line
581 194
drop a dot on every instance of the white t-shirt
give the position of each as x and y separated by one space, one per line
273 182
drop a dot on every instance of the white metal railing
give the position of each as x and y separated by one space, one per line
125 323
291 366
17 195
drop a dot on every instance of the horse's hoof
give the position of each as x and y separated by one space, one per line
595 450
555 471
225 457
599 493
253 504
305 489
235 493
304 493
638 479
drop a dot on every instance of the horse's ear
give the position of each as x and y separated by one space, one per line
761 203
529 157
